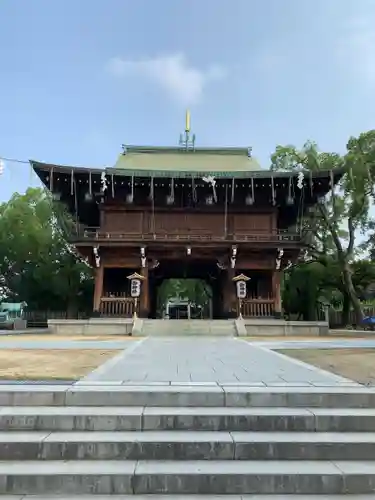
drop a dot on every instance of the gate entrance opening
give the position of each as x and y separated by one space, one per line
184 299
193 287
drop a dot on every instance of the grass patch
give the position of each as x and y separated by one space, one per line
354 364
49 364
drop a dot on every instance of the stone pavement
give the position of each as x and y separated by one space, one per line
208 360
12 342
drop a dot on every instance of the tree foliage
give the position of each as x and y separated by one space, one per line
337 220
312 285
196 291
37 265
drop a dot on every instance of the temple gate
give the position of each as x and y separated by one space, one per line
187 212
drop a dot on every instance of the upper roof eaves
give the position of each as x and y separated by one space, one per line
230 151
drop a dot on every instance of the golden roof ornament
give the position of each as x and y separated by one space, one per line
186 141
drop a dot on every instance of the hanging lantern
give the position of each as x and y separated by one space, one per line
135 284
241 287
249 200
130 196
135 288
289 200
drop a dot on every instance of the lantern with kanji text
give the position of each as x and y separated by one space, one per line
241 290
135 288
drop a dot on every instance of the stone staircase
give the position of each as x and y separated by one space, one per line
186 327
201 440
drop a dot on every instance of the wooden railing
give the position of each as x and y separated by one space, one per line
124 307
117 306
276 236
258 308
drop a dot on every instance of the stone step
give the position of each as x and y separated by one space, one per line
186 331
177 328
189 497
259 419
133 418
188 321
186 445
188 324
187 477
187 395
180 325
204 329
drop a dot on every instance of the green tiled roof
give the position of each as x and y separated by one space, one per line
178 162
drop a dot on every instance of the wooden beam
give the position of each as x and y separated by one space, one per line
276 291
145 293
229 296
98 292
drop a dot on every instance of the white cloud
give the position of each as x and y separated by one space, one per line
172 73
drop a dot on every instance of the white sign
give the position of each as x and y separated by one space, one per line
135 288
241 289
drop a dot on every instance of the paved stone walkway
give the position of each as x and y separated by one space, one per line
211 360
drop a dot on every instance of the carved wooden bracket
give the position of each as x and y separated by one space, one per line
155 263
95 251
280 253
143 257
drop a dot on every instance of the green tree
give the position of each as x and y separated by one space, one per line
308 285
343 213
302 290
37 265
196 291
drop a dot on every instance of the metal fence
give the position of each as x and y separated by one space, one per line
38 319
336 317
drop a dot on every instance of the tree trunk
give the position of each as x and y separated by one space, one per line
347 278
345 309
72 308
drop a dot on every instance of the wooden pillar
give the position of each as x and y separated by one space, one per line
145 293
276 292
98 292
228 292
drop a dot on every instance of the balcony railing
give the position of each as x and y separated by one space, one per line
89 234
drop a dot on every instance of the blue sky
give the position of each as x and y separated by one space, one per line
80 77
